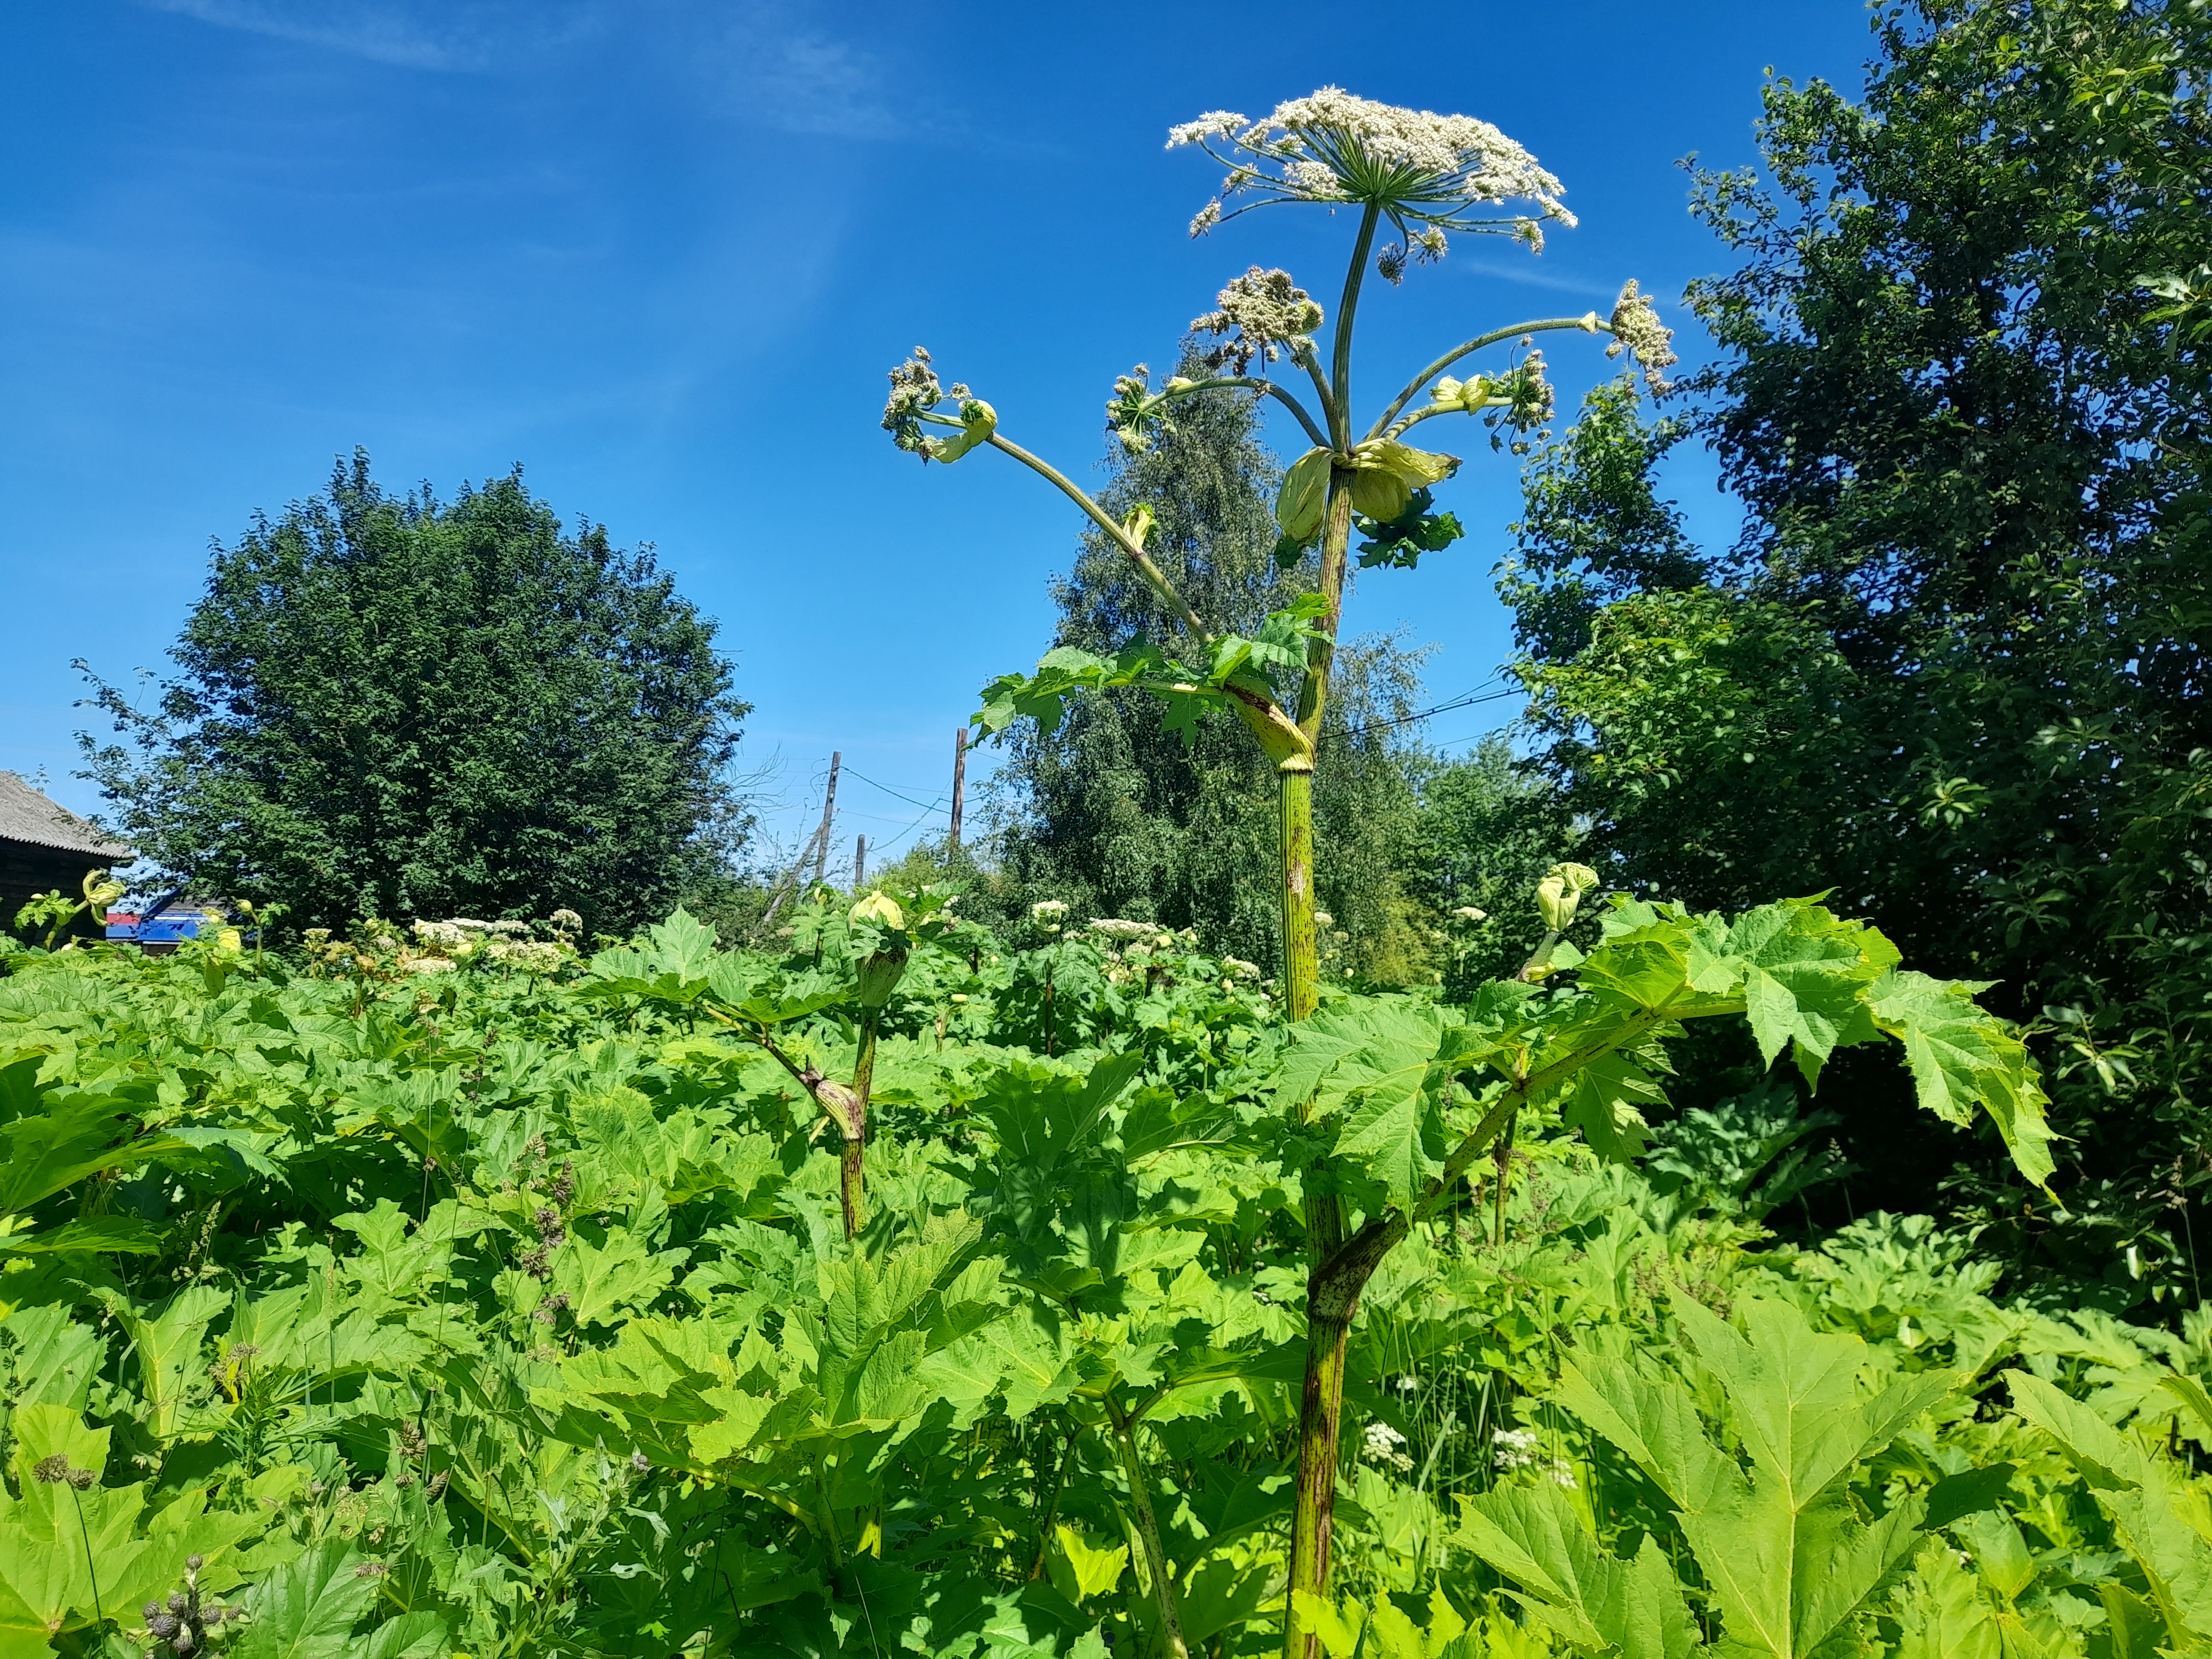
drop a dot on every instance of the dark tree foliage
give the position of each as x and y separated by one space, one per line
1484 832
1116 816
391 706
1955 669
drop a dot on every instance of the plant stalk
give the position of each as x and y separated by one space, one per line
852 1175
1333 1293
1052 1508
1148 1530
1301 937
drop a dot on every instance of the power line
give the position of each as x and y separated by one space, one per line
1466 701
926 805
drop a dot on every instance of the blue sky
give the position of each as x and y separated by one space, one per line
661 253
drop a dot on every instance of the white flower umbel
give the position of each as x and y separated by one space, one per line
1428 174
1513 1449
1384 1445
1115 927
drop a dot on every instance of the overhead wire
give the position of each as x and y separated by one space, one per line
936 805
1468 701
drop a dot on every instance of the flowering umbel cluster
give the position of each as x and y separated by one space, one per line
1136 413
1637 328
1428 174
915 394
1264 313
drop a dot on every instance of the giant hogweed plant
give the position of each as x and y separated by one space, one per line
1384 1150
516 1311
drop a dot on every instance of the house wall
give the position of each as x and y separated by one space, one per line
26 871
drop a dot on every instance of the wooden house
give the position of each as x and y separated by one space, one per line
45 846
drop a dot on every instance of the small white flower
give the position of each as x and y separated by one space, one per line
1047 909
1468 913
1383 1444
1512 1448
1214 124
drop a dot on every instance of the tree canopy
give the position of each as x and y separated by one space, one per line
391 705
1953 669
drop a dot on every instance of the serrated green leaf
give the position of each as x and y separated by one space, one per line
1962 1056
1592 1601
307 1608
1605 1100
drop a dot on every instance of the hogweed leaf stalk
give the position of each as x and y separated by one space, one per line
1426 177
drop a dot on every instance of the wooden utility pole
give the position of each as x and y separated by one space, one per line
828 813
959 785
816 848
859 862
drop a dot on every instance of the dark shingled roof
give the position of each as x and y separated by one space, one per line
28 817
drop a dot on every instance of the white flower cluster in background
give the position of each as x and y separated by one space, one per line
1428 174
1515 1448
1384 1446
1115 927
440 947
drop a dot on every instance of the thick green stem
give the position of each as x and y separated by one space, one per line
852 1185
1332 1299
1148 1531
1301 937
1320 1413
1267 388
852 1171
1339 368
1503 1161
1330 1306
1414 387
1051 1509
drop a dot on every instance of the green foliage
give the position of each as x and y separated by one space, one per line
1951 668
393 705
502 1307
1399 542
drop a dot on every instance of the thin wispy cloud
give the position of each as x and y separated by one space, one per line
1526 273
443 38
764 66
766 69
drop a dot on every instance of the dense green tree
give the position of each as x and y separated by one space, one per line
1114 814
1955 667
394 706
1483 833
